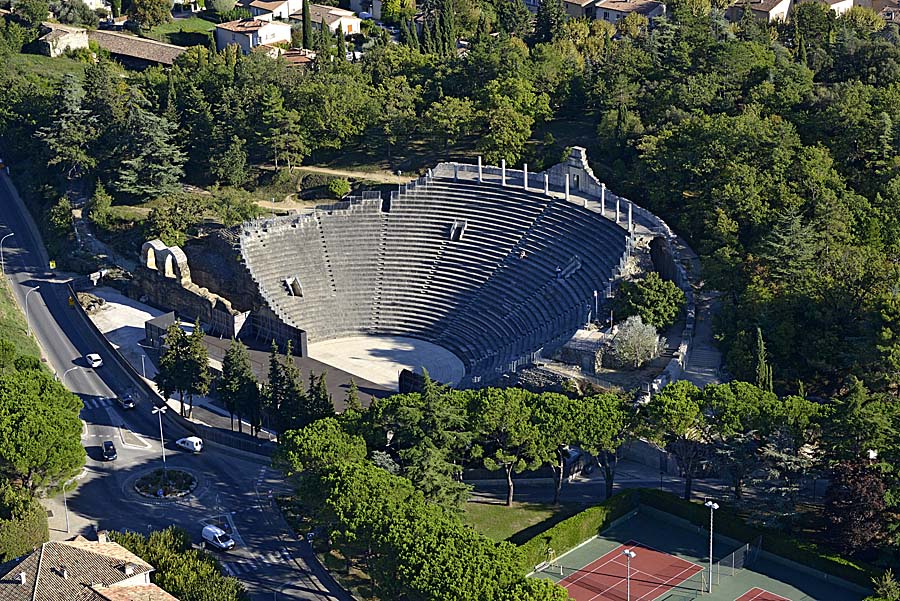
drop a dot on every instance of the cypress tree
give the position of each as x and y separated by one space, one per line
307 26
763 369
427 45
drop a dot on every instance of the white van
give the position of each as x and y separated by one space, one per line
191 443
217 537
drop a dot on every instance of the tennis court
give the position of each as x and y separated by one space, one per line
646 576
595 570
760 594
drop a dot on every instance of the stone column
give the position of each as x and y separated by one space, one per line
455 172
525 176
617 209
502 172
630 206
547 184
567 186
480 179
602 198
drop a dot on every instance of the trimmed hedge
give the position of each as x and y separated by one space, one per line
577 529
729 524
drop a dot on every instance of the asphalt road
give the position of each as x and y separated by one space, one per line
233 488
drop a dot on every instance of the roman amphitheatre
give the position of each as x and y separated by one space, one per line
469 272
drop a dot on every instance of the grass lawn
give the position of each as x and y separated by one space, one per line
12 323
182 32
45 67
518 523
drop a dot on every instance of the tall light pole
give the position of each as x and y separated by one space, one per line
629 555
27 320
159 413
712 507
2 262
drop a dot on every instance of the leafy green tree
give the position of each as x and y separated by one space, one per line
60 218
763 369
172 375
196 366
535 589
657 301
855 506
33 12
221 6
447 119
150 13
604 423
231 166
507 438
319 401
677 423
507 132
182 571
319 447
635 342
553 416
74 12
238 386
23 522
40 445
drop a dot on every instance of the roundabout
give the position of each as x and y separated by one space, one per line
162 484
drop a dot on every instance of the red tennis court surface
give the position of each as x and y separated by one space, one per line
653 574
760 594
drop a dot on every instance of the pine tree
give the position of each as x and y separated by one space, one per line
197 365
291 413
551 17
352 400
275 387
151 162
319 403
72 131
307 26
763 369
238 388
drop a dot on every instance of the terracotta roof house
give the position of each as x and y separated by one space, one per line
55 39
579 8
137 52
333 17
79 570
614 11
251 33
767 11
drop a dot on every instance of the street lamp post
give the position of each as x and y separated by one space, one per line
712 507
27 320
159 413
2 262
629 555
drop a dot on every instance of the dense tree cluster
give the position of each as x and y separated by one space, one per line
40 447
187 573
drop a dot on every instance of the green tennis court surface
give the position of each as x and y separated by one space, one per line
752 577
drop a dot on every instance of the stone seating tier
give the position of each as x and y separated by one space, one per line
398 273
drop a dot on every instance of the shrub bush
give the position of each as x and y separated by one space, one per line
339 187
577 529
729 524
313 180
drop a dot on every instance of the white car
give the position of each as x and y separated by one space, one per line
192 443
217 538
93 360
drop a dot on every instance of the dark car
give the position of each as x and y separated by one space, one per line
127 402
109 451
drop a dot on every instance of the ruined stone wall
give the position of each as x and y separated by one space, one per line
164 280
216 264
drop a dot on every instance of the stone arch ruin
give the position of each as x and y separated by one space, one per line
169 261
